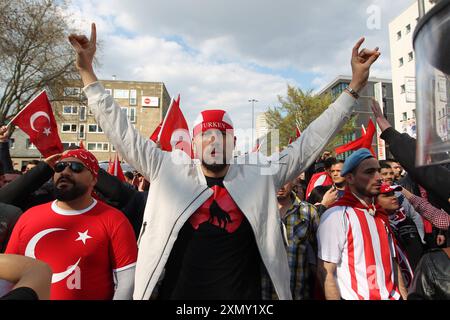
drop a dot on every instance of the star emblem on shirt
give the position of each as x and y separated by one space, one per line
83 236
47 131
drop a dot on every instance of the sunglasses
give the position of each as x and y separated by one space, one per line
74 166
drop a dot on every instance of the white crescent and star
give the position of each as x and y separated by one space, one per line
34 117
31 246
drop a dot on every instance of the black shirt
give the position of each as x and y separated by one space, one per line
215 255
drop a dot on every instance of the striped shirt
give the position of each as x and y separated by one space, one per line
363 249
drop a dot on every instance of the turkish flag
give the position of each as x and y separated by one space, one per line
37 121
155 134
365 141
318 179
174 130
115 169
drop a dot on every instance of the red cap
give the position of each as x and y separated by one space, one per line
212 119
88 159
385 188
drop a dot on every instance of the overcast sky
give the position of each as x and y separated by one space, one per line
221 53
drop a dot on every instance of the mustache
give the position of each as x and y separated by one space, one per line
64 179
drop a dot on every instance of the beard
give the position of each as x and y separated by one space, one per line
215 167
69 193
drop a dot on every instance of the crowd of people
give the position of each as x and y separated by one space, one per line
315 228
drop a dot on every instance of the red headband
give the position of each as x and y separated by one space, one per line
88 159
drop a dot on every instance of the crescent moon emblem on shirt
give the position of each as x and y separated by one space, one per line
37 115
30 252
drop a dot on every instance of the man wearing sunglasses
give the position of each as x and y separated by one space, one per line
90 246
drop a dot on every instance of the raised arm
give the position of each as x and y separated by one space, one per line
434 179
141 153
301 154
5 157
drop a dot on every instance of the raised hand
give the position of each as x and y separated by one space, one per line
5 132
85 49
361 62
51 161
329 197
382 122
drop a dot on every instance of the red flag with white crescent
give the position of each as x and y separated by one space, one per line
36 119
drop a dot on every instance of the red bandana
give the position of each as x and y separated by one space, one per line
88 159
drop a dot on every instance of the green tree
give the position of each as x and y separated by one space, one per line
298 109
34 52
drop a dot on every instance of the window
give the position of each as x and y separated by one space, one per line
70 110
29 145
94 128
121 94
408 28
112 148
402 89
404 116
133 97
72 92
68 127
82 132
399 35
400 62
98 146
132 115
66 145
11 143
410 56
414 113
109 91
82 113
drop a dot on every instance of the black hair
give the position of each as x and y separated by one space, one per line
338 161
328 162
384 164
34 162
129 175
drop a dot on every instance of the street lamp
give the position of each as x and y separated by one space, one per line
253 115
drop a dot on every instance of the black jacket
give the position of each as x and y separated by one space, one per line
8 218
435 179
24 191
5 159
432 277
124 197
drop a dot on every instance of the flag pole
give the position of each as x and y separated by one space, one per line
165 118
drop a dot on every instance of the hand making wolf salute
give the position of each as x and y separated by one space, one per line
211 224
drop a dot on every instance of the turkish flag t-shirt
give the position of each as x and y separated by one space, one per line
215 255
81 247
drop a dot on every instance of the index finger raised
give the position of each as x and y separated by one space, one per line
357 46
93 33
